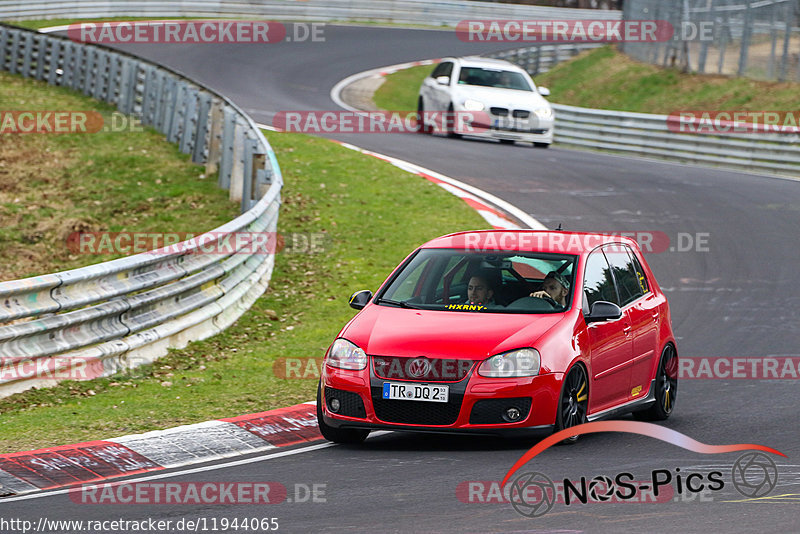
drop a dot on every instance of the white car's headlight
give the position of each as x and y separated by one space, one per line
473 105
543 113
346 355
520 362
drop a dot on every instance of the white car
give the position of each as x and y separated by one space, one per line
488 98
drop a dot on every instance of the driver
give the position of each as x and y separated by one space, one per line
479 290
555 287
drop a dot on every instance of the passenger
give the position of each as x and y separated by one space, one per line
555 287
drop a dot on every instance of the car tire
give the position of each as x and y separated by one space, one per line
450 122
666 388
337 435
507 141
573 402
422 126
541 145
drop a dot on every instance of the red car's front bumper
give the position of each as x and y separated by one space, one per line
476 404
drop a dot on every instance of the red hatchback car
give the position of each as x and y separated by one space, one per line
492 331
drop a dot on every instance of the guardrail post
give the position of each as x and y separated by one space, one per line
114 78
88 70
226 157
53 64
27 53
189 132
178 112
166 101
216 119
248 174
13 66
237 167
150 96
201 138
125 86
41 56
101 78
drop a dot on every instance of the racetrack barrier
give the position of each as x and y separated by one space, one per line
122 313
650 135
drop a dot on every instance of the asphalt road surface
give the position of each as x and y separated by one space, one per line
733 293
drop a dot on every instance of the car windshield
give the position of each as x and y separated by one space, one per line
502 79
495 282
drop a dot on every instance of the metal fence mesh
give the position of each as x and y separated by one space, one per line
754 38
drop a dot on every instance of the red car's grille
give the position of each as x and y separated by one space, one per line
421 368
416 412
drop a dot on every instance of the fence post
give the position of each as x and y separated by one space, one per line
789 16
746 31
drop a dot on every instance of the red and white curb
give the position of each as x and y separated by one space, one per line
67 465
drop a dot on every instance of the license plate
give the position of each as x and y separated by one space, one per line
415 392
507 123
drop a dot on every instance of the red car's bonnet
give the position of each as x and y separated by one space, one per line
389 331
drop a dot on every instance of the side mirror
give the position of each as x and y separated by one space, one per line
443 80
603 311
359 299
544 91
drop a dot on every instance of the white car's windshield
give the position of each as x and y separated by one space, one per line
501 79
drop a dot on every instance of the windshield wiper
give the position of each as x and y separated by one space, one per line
398 303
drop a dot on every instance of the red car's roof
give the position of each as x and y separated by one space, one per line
527 241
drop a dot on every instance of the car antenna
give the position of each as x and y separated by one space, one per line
559 228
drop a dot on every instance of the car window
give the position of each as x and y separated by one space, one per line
624 273
598 282
640 276
443 69
440 279
501 79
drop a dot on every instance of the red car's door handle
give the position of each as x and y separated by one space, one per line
626 329
655 316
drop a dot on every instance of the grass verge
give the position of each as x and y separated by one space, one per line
54 184
400 89
606 79
372 214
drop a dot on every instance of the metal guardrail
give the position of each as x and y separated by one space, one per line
128 311
649 135
440 12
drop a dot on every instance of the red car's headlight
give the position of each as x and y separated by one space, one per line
346 355
520 362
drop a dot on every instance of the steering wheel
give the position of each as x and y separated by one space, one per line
550 301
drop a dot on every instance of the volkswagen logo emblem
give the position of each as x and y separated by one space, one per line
419 367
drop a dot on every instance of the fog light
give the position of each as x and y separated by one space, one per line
512 414
334 405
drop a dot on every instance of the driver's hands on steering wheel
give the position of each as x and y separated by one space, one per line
545 296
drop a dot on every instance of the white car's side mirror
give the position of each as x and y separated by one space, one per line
443 80
544 91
